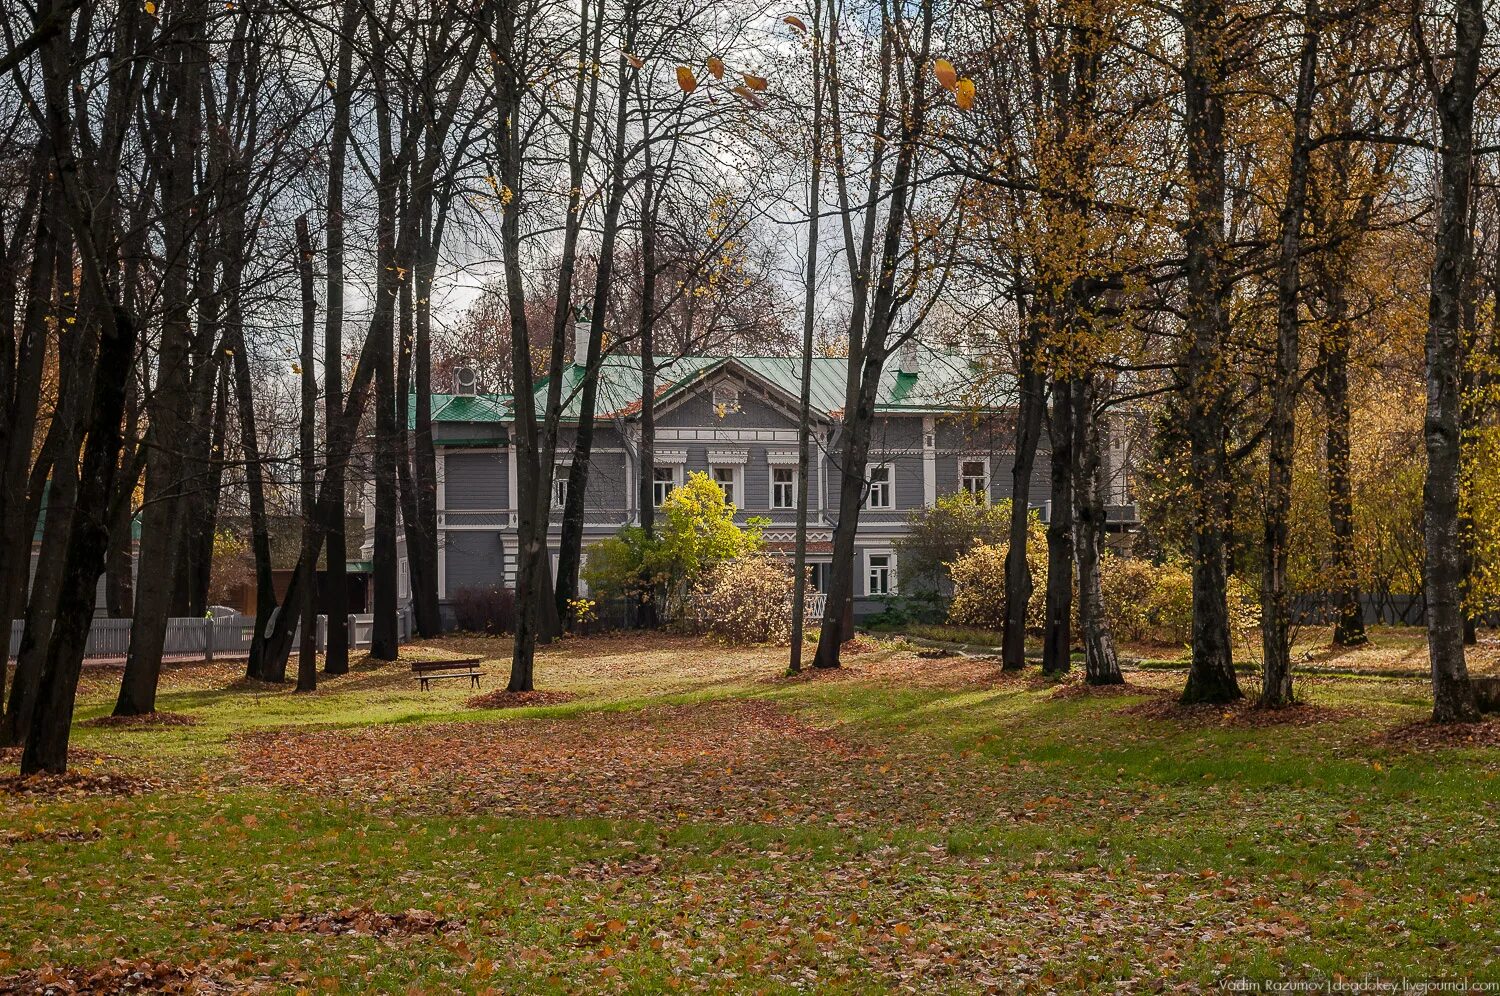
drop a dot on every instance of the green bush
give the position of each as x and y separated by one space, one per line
939 535
696 530
1153 602
979 583
1128 585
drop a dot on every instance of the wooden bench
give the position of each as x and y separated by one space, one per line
464 667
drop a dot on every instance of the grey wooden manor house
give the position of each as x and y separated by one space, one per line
735 419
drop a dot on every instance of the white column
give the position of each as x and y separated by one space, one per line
929 461
631 445
512 485
442 533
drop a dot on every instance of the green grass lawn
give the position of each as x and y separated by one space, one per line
691 819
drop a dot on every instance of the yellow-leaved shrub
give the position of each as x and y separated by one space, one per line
744 600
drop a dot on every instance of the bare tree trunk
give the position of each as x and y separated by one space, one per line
1453 695
1276 609
1057 643
867 352
119 562
47 744
421 531
1101 661
261 665
22 373
307 651
570 538
1211 676
1030 407
646 609
809 314
59 458
384 638
198 547
1349 623
336 654
859 420
162 520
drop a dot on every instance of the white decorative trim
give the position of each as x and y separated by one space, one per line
721 458
712 435
669 456
790 536
781 458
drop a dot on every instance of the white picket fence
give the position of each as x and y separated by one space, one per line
206 638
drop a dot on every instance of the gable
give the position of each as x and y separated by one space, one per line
756 406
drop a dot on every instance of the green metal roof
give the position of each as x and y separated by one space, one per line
946 383
468 408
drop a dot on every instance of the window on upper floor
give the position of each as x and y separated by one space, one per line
726 478
663 480
974 477
882 488
560 486
783 487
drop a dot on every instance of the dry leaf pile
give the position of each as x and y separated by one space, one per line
125 976
357 921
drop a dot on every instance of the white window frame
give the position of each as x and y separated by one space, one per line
792 503
734 491
658 497
984 461
891 582
560 485
888 500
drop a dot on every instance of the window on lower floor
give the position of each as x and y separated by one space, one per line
817 576
663 480
783 487
882 490
724 477
974 477
880 573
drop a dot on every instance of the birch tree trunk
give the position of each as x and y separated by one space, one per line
1452 693
1101 661
1275 599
